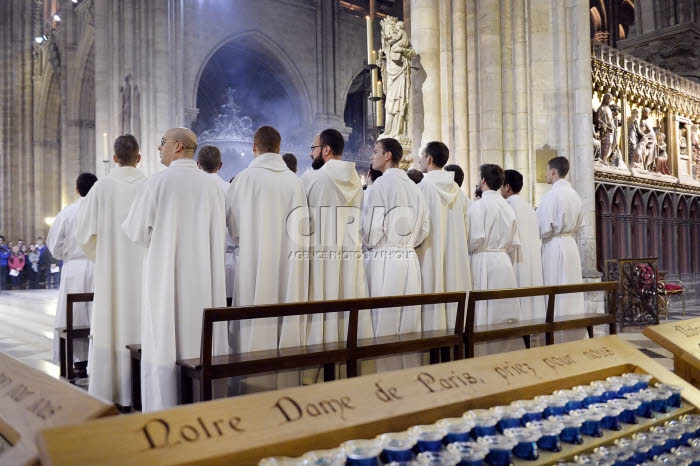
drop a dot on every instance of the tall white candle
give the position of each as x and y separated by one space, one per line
370 40
380 113
106 148
374 76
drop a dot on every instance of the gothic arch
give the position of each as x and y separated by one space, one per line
619 225
638 222
668 236
274 57
602 225
653 235
683 258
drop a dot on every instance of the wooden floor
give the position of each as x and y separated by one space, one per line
27 316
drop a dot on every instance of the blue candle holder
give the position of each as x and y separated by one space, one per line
458 429
509 417
571 433
397 446
484 422
471 453
362 452
526 438
333 457
500 449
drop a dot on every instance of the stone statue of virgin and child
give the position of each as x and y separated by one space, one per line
394 60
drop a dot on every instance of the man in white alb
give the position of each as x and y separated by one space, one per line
560 218
267 218
116 316
209 160
178 217
443 256
395 221
527 260
337 268
77 273
493 234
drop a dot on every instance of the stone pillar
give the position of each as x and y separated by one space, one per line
489 91
460 150
582 173
425 38
329 112
522 137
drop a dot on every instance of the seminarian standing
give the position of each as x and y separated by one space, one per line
178 217
78 272
267 218
209 160
336 264
493 234
395 221
560 216
443 256
116 316
527 260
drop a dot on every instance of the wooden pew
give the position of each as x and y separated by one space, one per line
31 401
68 333
547 325
209 367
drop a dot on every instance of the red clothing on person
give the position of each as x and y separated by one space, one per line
16 262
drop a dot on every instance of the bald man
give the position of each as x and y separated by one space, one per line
178 217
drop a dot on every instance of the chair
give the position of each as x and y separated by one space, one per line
667 289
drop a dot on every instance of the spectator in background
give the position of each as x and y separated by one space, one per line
16 264
291 161
24 276
33 262
4 256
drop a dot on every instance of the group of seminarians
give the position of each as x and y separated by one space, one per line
281 238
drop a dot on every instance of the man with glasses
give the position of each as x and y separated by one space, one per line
316 155
178 216
337 268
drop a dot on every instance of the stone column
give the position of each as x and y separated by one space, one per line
522 137
460 151
425 38
582 173
489 90
328 112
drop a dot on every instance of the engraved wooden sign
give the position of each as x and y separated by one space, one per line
290 422
683 340
31 401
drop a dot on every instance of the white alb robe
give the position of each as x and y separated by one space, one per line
336 266
267 218
231 251
443 255
395 221
527 260
179 217
493 234
77 276
560 217
116 316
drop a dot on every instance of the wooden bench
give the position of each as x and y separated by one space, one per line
69 333
484 333
209 367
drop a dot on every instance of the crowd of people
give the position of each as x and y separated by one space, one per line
27 266
270 236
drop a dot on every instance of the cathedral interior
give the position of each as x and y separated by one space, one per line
510 84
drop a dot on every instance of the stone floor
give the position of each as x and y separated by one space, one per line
26 323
